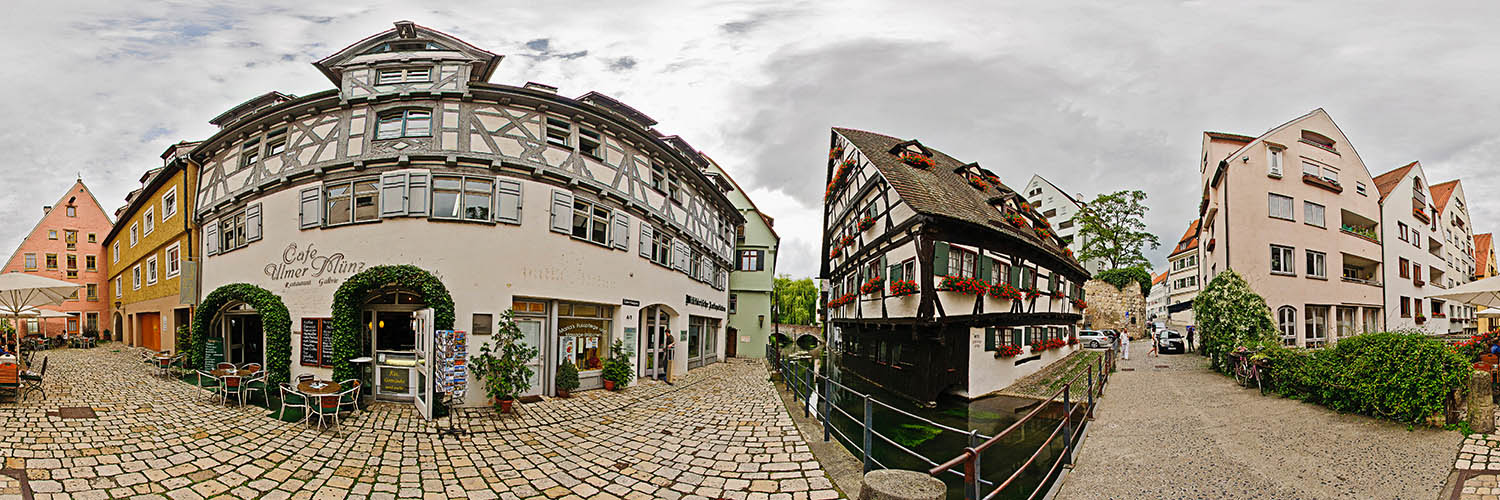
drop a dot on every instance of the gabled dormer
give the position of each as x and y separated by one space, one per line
407 59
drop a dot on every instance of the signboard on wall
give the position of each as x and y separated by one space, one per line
395 380
213 353
317 342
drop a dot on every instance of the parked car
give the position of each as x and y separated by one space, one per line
1094 338
1170 341
1112 334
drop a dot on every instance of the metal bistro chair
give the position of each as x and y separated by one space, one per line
224 366
252 367
327 408
290 398
306 377
255 383
234 386
164 366
33 380
350 398
213 386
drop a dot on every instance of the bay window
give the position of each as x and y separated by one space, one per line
404 123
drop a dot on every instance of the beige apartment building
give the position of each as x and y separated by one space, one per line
1287 210
1184 278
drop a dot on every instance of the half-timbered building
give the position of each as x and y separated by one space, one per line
942 279
575 213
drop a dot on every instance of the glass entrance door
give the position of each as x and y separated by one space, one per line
244 341
531 335
653 334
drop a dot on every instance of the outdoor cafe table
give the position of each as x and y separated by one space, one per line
327 390
238 373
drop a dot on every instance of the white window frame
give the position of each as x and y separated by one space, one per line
1291 204
1316 331
135 277
1307 216
115 253
148 221
404 116
1317 264
151 269
1289 255
135 236
1287 325
166 211
1274 157
393 76
119 286
174 259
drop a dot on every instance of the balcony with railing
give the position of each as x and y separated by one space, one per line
1434 246
1360 270
1359 226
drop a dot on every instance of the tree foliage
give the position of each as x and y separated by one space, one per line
1113 228
1402 376
796 301
349 300
1230 315
1121 277
274 319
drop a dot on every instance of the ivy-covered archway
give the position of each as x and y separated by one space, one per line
275 320
350 299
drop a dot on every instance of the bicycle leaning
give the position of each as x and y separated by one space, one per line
1248 368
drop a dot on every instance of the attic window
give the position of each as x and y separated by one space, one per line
410 46
403 75
1317 139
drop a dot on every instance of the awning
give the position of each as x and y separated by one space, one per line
1180 307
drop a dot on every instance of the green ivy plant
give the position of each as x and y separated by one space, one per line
502 362
351 296
617 368
274 318
1229 315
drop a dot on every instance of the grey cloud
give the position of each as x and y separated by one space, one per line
623 63
539 45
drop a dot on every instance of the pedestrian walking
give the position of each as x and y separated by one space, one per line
671 345
1153 345
1190 337
1124 344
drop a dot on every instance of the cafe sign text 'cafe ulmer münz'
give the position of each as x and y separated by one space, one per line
305 266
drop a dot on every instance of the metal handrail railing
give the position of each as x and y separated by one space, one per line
803 382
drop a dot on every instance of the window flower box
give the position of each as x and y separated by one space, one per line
917 160
836 153
1080 304
872 286
1039 346
1057 294
1439 315
1015 219
1007 351
842 300
866 223
966 286
846 241
1421 319
1032 293
1072 340
835 252
977 183
1005 291
994 181
1042 232
902 288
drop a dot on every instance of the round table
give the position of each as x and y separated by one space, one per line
326 394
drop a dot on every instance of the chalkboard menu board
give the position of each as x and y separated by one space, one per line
317 342
213 353
310 342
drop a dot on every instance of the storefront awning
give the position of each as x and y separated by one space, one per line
1180 307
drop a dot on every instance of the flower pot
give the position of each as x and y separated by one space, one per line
609 385
505 405
563 393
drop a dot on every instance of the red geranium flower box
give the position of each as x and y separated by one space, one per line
917 160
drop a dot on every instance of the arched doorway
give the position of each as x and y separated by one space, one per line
242 332
254 317
389 338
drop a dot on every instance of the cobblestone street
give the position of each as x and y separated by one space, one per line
1170 428
720 432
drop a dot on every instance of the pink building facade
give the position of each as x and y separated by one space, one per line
66 244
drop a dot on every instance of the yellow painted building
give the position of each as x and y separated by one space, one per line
152 278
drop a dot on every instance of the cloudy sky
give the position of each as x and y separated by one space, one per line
1096 96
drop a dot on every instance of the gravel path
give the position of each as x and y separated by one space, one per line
1186 432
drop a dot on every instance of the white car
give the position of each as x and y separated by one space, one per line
1094 338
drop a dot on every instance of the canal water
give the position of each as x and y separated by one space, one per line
989 415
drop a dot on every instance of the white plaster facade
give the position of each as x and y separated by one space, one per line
1059 208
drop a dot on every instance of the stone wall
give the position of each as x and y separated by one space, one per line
1107 308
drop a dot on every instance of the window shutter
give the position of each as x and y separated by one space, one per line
1015 337
680 255
311 198
760 260
393 195
986 265
989 338
507 202
940 258
416 194
893 273
211 238
252 223
1015 275
647 233
883 265
619 233
562 212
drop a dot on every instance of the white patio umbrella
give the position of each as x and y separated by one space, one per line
1490 312
1482 293
20 292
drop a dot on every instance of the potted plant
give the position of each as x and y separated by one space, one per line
617 369
502 364
567 378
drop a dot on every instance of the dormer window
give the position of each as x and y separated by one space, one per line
558 132
275 142
403 75
1317 139
404 123
250 153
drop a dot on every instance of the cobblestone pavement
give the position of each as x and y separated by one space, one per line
720 432
1185 432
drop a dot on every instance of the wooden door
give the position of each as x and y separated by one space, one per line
731 342
150 330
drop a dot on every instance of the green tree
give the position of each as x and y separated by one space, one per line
796 301
1123 276
1113 228
1230 315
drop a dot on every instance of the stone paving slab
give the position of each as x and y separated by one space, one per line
1186 432
719 433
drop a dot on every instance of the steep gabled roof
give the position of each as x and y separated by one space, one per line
1188 241
1482 244
1060 190
1441 193
483 61
1159 278
941 191
1388 181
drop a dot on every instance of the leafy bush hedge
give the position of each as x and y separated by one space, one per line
1123 276
1229 315
1395 375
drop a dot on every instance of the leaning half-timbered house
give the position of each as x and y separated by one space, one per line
941 278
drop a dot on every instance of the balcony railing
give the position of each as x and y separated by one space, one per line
1362 232
1362 281
1329 184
